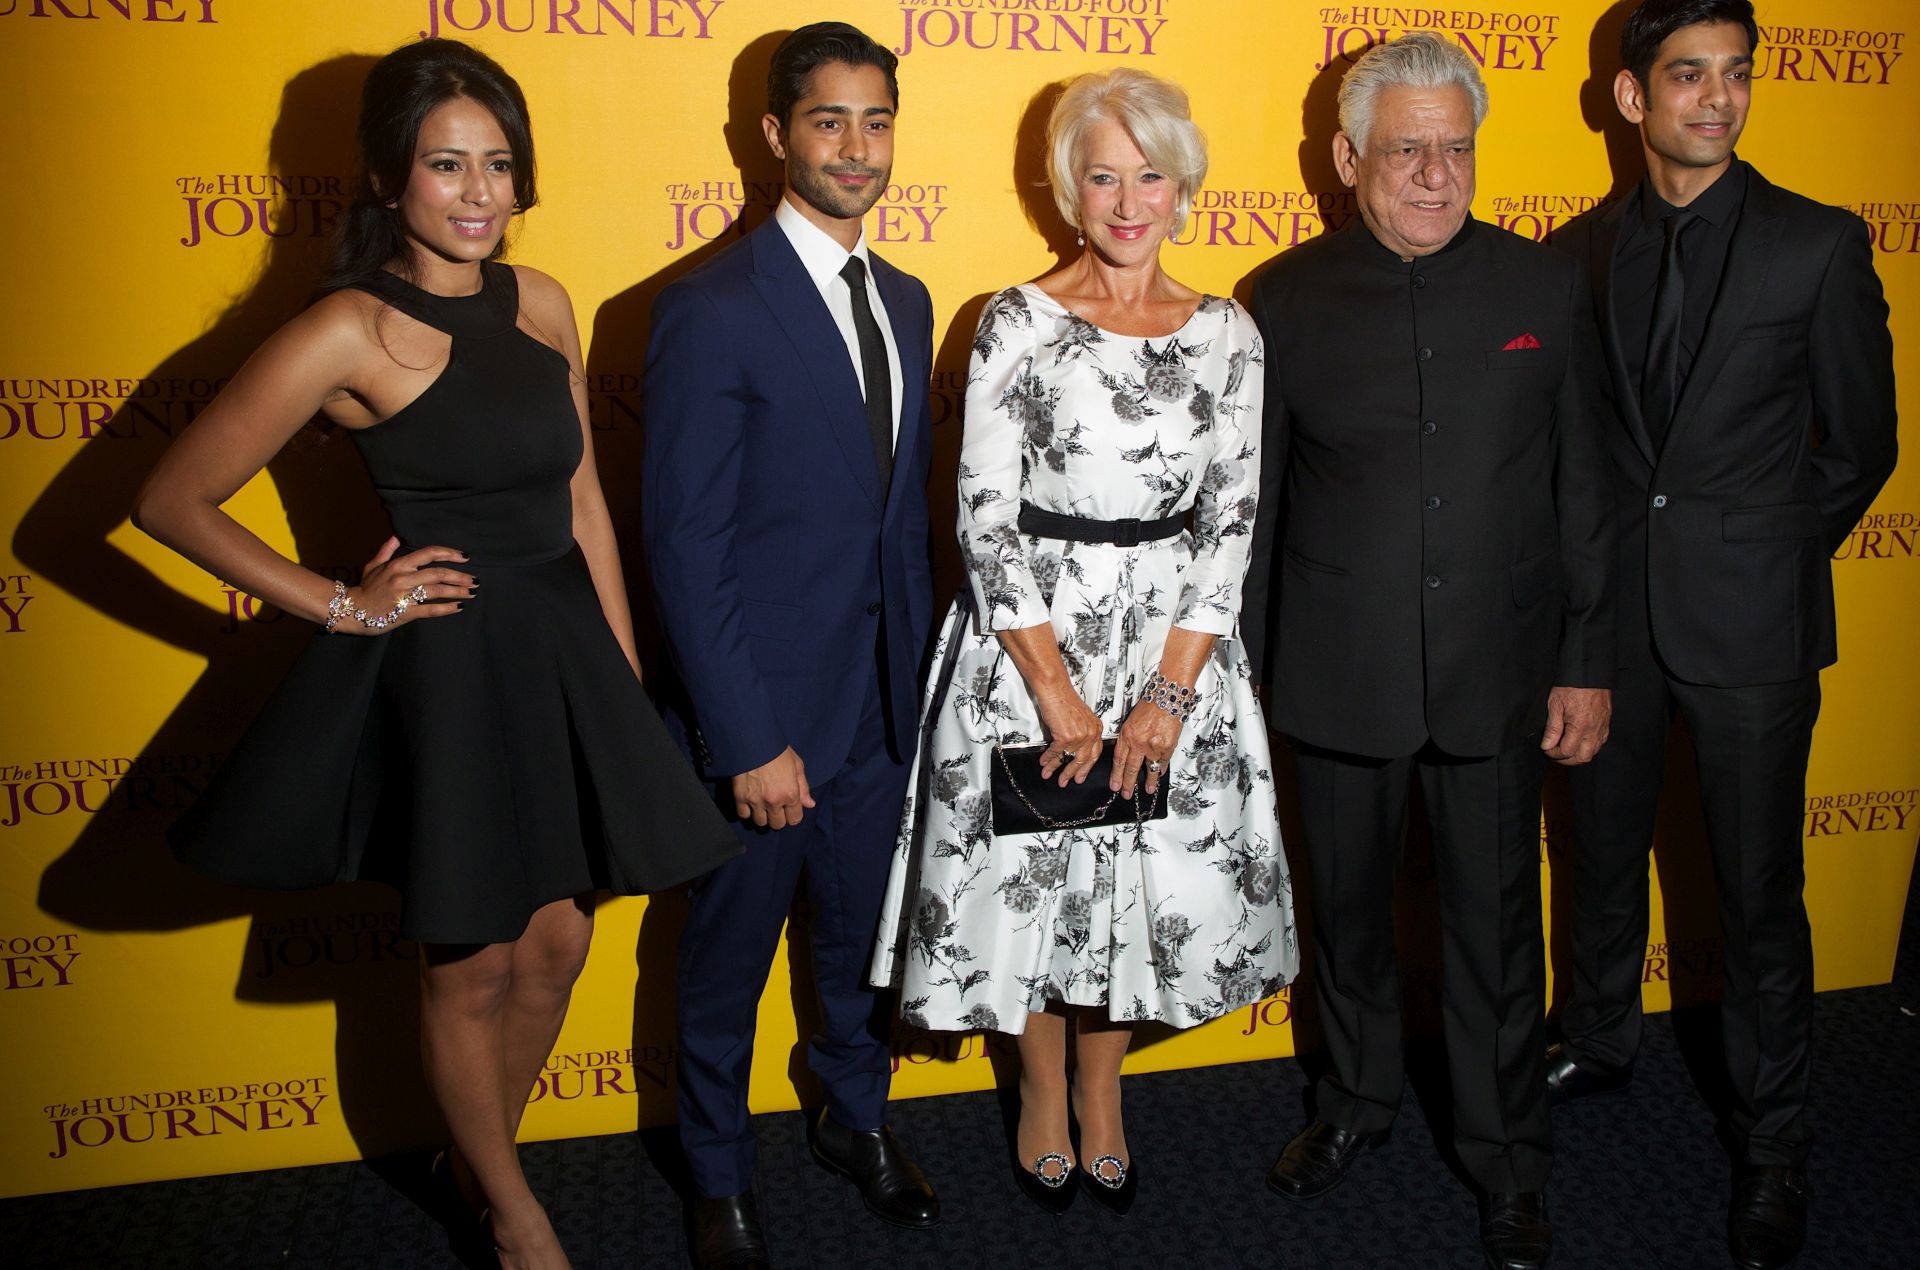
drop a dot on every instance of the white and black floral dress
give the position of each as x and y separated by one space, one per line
1182 919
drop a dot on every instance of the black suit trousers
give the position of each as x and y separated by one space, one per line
1485 816
1751 746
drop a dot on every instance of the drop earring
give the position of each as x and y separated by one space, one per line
1080 240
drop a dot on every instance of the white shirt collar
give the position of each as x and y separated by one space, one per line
822 257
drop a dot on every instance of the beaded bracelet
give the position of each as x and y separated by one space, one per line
1177 700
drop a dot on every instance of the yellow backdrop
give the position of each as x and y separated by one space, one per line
184 160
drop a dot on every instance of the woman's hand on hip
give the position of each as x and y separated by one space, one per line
418 578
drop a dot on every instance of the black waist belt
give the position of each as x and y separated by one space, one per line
1121 533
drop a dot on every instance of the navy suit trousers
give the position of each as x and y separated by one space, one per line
735 915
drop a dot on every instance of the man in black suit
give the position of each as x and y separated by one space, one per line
1751 372
1434 554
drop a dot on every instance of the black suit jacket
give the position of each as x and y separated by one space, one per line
1782 436
1434 548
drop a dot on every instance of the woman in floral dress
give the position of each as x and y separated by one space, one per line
1106 392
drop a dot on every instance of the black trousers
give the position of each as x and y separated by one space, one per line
1751 746
1485 816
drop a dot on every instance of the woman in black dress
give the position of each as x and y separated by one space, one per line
489 752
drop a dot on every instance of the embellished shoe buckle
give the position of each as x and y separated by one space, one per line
1053 1181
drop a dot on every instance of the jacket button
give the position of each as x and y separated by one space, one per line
1426 354
1419 280
873 610
1429 427
1659 500
1433 502
1433 581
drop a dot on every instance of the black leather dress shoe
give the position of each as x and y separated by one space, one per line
1568 1080
1514 1231
1767 1221
892 1185
726 1234
1318 1158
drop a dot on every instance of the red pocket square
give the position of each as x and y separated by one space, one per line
1522 341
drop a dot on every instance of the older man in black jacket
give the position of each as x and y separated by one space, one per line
1430 598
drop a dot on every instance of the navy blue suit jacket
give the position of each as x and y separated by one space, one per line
777 560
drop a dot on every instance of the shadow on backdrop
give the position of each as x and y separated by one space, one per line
1334 203
708 218
1625 162
339 944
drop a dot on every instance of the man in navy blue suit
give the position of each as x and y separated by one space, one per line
788 435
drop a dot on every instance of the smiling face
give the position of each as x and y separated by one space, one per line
1415 178
460 190
1126 204
837 144
1693 105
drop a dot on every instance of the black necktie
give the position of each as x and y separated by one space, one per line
873 367
1660 381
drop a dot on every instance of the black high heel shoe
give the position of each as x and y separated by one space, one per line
469 1233
1049 1190
1116 1193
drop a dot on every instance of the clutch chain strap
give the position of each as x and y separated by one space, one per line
999 752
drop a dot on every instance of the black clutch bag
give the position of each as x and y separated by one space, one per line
1025 803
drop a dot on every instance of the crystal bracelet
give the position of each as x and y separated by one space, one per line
1178 700
340 607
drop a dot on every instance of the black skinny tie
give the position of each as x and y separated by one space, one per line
1660 381
873 368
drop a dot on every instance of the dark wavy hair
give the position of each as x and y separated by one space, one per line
813 46
401 90
1649 26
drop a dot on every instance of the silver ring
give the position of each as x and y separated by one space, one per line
1067 754
419 594
1154 765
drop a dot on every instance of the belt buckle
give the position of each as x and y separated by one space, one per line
1126 532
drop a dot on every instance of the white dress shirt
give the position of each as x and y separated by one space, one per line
823 259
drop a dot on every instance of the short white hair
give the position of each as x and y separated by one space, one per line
1421 60
1155 114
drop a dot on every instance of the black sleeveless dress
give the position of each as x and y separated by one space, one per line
487 762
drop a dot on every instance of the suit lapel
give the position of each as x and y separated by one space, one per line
790 295
1600 243
1742 283
903 316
